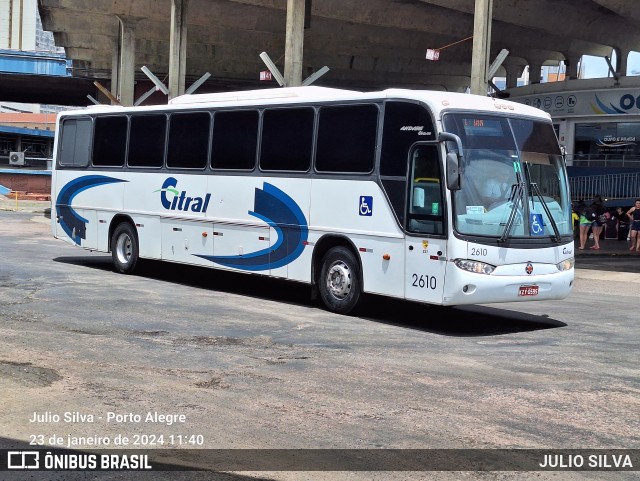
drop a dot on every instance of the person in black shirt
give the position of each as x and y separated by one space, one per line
634 217
623 223
597 224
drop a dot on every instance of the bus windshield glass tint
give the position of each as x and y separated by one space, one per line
512 178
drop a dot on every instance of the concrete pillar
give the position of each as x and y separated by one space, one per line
622 58
572 67
115 66
513 72
535 71
481 46
126 77
178 47
293 51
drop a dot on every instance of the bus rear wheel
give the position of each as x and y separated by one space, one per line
339 282
124 248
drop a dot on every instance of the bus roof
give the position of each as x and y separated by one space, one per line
438 101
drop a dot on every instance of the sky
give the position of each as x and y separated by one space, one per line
596 67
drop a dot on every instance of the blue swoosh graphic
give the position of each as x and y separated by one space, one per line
280 211
607 109
73 224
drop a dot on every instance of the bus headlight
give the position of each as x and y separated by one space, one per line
474 266
566 264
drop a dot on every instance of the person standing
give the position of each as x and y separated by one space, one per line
575 220
634 217
597 211
623 223
584 224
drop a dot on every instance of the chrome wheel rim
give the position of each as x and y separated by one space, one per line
339 280
124 249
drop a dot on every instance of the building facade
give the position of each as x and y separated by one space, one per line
18 24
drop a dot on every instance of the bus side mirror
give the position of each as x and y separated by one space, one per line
453 160
453 172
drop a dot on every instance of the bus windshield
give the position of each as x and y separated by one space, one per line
513 181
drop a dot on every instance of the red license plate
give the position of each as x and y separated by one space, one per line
528 291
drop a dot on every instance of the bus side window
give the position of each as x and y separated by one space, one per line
146 140
347 138
188 140
76 140
110 141
235 139
405 123
287 139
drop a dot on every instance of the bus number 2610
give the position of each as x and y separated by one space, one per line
428 282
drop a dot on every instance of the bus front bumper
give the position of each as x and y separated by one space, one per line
464 287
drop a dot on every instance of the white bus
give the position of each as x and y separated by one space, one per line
436 197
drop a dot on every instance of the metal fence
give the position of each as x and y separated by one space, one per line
603 160
612 186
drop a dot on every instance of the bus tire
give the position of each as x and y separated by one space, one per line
339 282
124 248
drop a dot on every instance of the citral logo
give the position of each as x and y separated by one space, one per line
180 199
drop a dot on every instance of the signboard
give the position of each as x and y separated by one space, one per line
266 75
618 102
433 54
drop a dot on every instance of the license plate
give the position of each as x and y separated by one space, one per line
528 291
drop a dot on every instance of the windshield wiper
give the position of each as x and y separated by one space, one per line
538 194
515 199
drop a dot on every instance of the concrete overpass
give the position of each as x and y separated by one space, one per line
368 44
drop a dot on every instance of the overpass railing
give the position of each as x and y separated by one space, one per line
603 160
612 186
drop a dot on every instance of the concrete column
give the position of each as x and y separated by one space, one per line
622 58
572 67
115 67
293 51
127 60
481 46
178 47
535 70
513 72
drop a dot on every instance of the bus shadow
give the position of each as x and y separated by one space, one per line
102 263
254 286
461 321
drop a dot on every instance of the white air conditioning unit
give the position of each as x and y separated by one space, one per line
16 158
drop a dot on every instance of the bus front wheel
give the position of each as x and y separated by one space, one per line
339 282
124 248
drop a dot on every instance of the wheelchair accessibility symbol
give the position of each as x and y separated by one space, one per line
535 224
366 205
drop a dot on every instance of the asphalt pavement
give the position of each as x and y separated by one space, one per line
254 364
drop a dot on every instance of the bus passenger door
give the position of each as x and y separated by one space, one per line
424 269
426 243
